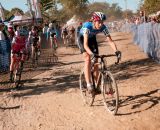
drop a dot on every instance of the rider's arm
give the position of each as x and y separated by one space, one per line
29 37
111 43
39 37
109 39
86 44
13 42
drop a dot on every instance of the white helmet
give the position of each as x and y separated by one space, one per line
51 25
10 25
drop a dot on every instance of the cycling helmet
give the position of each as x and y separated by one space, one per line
97 16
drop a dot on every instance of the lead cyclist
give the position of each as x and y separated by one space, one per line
88 44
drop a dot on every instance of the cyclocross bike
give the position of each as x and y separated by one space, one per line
105 85
36 54
20 58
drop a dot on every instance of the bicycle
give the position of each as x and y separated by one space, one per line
36 54
53 43
105 82
17 73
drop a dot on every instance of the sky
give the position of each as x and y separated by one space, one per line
131 4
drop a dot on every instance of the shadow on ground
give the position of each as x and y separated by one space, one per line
60 82
140 102
134 69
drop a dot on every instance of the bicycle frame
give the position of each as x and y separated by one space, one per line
18 67
101 70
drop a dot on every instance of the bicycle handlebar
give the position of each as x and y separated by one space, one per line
109 55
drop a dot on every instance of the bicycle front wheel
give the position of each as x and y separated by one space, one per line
110 92
87 97
17 77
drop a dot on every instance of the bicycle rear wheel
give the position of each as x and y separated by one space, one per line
17 75
110 92
87 97
35 58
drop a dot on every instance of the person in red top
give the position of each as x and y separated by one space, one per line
19 45
11 32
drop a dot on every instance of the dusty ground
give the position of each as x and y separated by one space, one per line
52 100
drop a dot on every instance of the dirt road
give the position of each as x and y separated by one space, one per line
52 100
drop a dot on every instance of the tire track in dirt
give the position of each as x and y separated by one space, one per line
52 100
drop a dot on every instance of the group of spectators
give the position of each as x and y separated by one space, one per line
146 33
143 18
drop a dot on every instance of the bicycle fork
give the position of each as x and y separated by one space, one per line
96 82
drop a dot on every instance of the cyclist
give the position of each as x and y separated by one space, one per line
34 39
64 34
71 36
88 44
52 35
19 46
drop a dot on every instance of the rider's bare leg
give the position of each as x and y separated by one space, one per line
87 71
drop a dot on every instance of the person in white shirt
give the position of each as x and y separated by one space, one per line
45 28
2 37
52 36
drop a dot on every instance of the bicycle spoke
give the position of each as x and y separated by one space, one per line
110 93
87 97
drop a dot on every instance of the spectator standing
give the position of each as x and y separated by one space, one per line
64 34
45 28
143 18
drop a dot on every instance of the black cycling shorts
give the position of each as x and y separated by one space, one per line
92 43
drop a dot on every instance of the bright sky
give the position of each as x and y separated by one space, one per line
9 4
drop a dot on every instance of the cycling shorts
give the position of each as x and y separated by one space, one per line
92 44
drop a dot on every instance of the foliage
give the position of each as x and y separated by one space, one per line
8 14
62 10
113 11
151 6
127 13
77 7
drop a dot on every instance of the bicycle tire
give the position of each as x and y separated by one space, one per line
17 77
87 97
36 58
110 92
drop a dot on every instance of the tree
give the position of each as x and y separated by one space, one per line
77 7
46 4
151 6
128 13
16 10
113 11
8 14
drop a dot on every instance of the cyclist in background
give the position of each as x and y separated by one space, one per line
19 46
64 34
71 36
52 35
34 40
88 44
